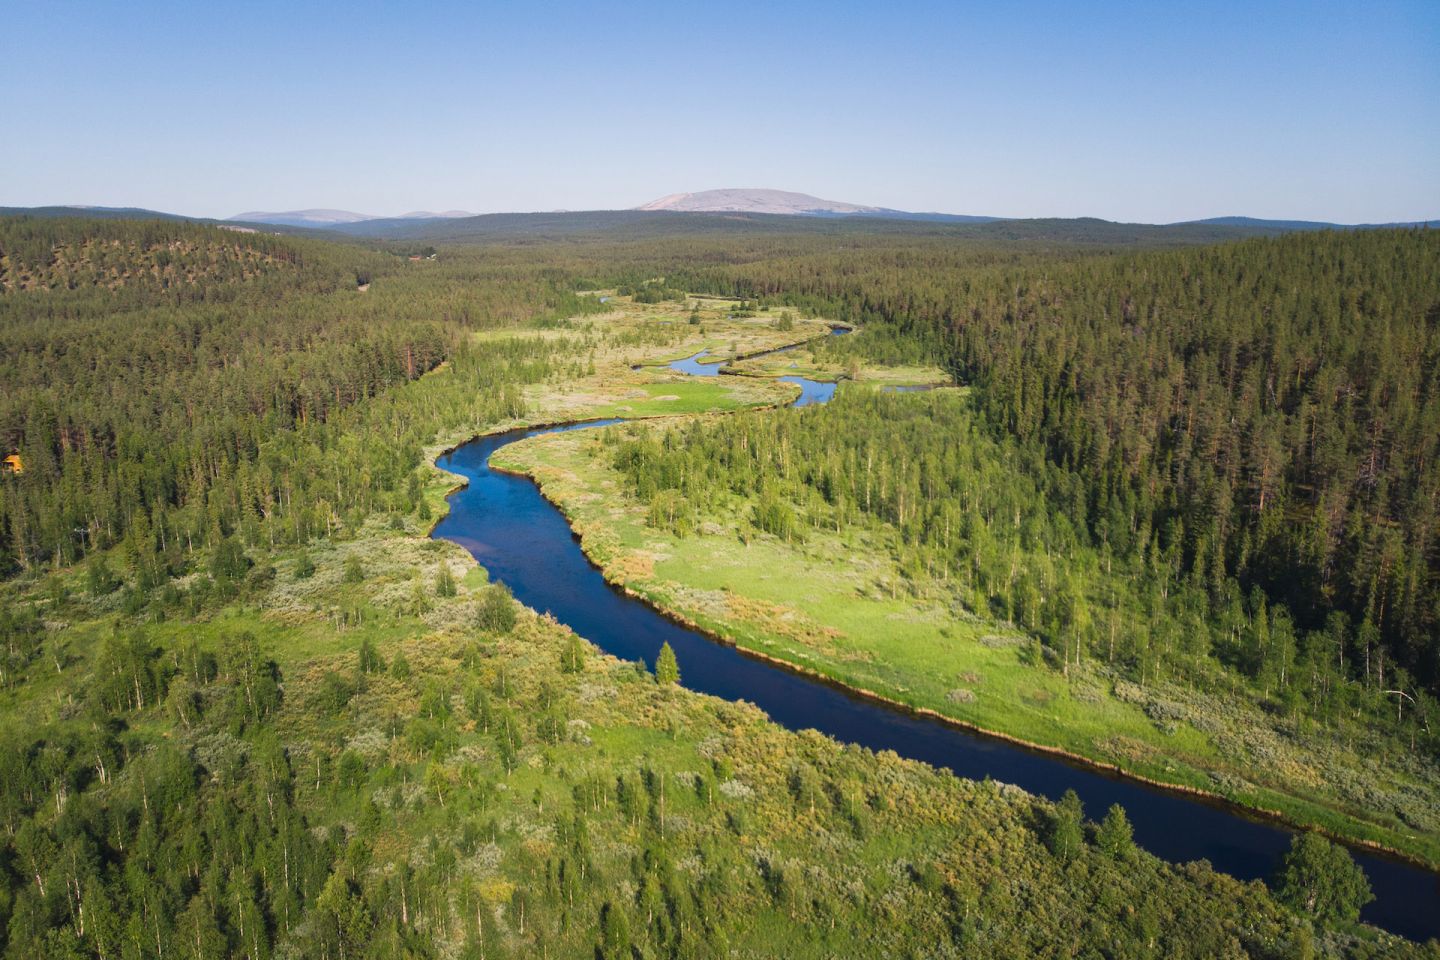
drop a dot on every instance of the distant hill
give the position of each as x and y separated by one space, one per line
787 203
93 213
429 215
321 219
754 201
638 224
1295 225
785 212
304 218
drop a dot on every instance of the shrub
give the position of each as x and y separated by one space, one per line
354 572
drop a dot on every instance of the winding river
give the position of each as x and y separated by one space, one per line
525 542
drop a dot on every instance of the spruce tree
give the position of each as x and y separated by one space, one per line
667 668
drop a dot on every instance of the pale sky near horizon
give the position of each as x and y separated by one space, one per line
1141 111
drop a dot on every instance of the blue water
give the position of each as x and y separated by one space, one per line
811 391
695 368
526 543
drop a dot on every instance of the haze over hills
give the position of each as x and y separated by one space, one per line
761 208
323 218
1302 224
739 200
90 212
785 202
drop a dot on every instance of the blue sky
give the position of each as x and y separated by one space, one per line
1130 111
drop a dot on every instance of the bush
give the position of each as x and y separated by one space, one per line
335 692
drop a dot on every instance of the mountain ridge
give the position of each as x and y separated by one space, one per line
800 208
325 218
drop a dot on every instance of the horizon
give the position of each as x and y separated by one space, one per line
1282 111
449 214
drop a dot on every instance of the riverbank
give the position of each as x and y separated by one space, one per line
528 544
1397 887
803 607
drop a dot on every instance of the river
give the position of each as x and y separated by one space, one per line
525 542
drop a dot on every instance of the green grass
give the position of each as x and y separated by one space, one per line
838 605
675 397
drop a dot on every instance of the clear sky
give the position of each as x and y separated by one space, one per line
1146 111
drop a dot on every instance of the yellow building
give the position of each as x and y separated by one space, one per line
13 462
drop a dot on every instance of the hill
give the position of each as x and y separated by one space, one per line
89 213
788 203
1293 225
303 218
754 201
643 224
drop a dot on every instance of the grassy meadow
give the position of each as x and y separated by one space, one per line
840 604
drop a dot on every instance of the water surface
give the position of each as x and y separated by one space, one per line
525 543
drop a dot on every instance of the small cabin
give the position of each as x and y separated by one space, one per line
14 464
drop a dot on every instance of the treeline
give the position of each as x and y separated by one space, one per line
1274 403
164 414
1009 531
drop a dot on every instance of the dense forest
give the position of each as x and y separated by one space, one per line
248 710
208 404
1269 409
1006 531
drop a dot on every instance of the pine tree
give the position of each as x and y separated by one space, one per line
667 668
